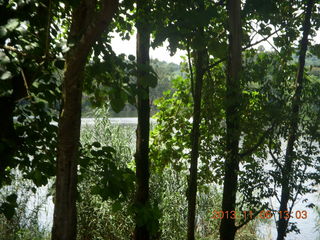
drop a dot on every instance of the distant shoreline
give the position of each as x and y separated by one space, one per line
116 120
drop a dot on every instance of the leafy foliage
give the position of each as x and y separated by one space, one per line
105 180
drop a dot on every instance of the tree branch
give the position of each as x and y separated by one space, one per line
216 63
258 144
12 49
25 82
274 157
244 48
250 218
263 39
101 19
190 69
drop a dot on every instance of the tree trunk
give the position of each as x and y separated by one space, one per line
200 60
8 138
141 232
64 226
233 101
87 26
293 127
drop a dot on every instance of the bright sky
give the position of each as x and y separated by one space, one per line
129 47
161 53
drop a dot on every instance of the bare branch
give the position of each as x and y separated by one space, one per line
263 39
273 46
276 195
12 49
25 82
272 208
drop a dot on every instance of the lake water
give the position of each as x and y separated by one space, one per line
267 232
307 226
121 121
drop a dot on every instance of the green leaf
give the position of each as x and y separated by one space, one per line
12 24
6 75
3 31
96 144
96 190
95 153
118 99
131 57
116 206
315 50
117 106
152 80
8 210
4 59
217 48
12 198
108 149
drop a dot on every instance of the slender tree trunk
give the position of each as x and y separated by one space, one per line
233 101
8 138
293 128
87 26
141 232
200 61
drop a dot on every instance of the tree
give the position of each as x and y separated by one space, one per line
20 67
287 169
88 23
192 36
233 101
200 60
29 87
212 16
142 231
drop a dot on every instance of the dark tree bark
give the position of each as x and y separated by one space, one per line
200 65
87 26
141 232
8 139
293 127
232 102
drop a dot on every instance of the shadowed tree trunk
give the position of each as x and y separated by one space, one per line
8 139
87 26
232 103
141 232
200 61
293 127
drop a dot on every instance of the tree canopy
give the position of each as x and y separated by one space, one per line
234 121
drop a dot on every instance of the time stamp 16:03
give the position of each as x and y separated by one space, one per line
265 214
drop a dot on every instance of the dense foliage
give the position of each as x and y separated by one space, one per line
237 127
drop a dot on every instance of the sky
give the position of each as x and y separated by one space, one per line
161 53
129 47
